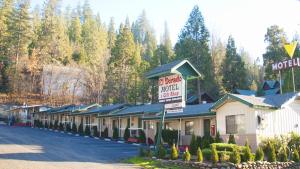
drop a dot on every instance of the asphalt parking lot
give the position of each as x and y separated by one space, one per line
25 147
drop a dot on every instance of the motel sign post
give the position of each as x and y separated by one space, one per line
172 79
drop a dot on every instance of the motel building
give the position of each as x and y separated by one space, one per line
244 115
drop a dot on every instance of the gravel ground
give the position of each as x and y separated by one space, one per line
28 148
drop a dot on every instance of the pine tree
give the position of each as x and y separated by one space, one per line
126 134
233 67
247 152
295 156
111 34
193 44
174 153
231 139
186 155
193 145
271 154
214 154
218 138
199 155
235 157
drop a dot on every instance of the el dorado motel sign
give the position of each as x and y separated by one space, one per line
171 92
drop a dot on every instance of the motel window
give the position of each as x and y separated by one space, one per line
235 124
189 127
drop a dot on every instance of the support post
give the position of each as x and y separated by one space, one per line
158 140
100 127
293 80
280 83
119 126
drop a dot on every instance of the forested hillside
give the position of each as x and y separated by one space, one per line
113 58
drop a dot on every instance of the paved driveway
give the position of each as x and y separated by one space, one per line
22 147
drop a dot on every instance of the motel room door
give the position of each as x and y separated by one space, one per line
206 127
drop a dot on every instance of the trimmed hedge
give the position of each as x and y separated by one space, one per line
228 147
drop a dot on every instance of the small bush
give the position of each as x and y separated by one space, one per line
235 156
199 155
206 141
231 139
46 125
56 125
142 136
228 147
283 157
214 154
105 133
126 134
259 154
206 153
95 131
193 145
142 152
74 128
218 138
115 133
87 130
247 153
61 127
80 129
295 156
271 154
169 136
174 152
161 152
186 155
51 125
68 127
224 157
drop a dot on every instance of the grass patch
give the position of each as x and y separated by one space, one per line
149 163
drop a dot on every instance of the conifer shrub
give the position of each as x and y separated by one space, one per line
247 153
87 130
95 131
186 155
231 139
56 125
68 127
161 152
193 145
271 153
142 136
142 152
218 138
295 156
224 157
105 133
61 127
126 134
74 128
115 133
235 157
214 154
199 155
174 152
80 129
282 155
51 125
259 154
46 125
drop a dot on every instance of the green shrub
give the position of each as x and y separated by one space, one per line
206 141
68 127
61 127
186 155
259 154
247 153
271 154
206 153
74 128
115 133
228 147
231 139
193 145
142 152
224 157
87 130
95 131
174 153
169 136
199 155
51 125
46 125
126 134
214 154
142 136
282 155
235 156
161 152
294 140
105 133
80 129
295 156
56 125
218 138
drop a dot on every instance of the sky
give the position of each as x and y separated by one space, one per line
246 20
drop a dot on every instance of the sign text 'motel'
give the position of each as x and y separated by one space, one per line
170 88
286 64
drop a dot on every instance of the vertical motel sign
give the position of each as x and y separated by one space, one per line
171 92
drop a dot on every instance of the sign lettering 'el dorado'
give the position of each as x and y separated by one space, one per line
170 92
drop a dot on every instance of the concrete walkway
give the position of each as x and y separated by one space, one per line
23 147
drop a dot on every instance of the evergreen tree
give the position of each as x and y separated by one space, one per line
234 72
218 138
214 154
247 152
111 34
74 128
126 134
174 152
193 145
186 155
283 157
193 44
87 130
235 157
295 156
115 133
271 154
231 139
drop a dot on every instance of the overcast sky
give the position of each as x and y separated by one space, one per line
245 20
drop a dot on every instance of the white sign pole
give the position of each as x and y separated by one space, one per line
293 79
280 83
